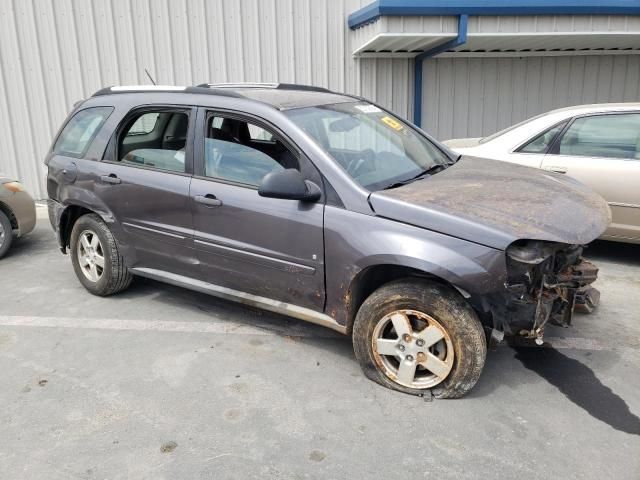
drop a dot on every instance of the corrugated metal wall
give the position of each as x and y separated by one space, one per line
473 97
55 53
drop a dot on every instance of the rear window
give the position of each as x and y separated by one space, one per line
75 138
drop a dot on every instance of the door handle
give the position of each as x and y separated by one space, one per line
112 179
553 168
208 200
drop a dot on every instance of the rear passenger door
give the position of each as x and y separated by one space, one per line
144 180
267 247
603 152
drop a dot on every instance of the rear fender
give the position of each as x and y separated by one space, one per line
78 202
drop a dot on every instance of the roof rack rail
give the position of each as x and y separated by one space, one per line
276 86
238 85
138 88
164 88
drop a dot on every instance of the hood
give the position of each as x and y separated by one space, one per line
495 203
462 142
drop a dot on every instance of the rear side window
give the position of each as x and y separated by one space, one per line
155 139
609 136
542 142
75 138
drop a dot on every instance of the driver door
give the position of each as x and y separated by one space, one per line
268 247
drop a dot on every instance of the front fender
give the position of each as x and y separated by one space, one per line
356 242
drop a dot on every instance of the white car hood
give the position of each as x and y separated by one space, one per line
456 143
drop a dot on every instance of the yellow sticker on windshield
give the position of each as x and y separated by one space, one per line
392 123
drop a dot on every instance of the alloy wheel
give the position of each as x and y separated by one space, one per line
412 349
90 255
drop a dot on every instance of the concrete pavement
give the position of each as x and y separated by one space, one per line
164 383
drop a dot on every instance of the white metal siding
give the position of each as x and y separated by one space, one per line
473 97
393 36
554 23
55 53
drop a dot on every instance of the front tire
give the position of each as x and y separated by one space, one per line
96 259
6 234
413 336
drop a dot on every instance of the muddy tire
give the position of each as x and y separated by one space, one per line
413 325
6 234
96 260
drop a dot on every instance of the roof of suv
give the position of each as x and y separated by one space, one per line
283 96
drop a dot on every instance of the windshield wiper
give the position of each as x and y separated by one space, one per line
429 171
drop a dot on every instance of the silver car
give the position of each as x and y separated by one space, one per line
17 212
599 145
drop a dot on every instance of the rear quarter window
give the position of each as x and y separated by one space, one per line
79 132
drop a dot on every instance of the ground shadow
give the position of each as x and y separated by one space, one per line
239 313
35 242
578 383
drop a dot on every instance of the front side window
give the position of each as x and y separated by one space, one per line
542 142
609 136
155 139
242 152
377 149
75 138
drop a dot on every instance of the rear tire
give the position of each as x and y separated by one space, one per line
96 259
6 234
414 336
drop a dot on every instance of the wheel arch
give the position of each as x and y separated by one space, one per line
4 208
69 216
371 278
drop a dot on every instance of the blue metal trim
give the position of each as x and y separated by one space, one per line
365 15
453 43
378 8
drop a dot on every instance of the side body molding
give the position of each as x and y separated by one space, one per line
276 306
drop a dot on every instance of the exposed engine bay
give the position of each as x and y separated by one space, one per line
546 282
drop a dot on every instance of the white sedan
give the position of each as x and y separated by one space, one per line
598 145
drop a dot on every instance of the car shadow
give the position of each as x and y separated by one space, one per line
27 245
575 380
238 313
41 241
282 326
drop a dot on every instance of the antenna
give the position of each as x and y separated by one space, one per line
149 75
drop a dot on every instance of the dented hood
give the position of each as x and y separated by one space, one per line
495 203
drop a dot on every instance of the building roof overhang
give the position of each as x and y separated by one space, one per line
407 28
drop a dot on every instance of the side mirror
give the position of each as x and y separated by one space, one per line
290 185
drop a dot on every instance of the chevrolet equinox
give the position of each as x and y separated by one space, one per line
328 208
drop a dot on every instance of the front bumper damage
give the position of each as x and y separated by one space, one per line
546 282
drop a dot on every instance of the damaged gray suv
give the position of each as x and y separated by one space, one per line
327 208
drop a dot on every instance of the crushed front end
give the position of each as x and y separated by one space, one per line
546 282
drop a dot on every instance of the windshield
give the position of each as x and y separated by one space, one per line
376 149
